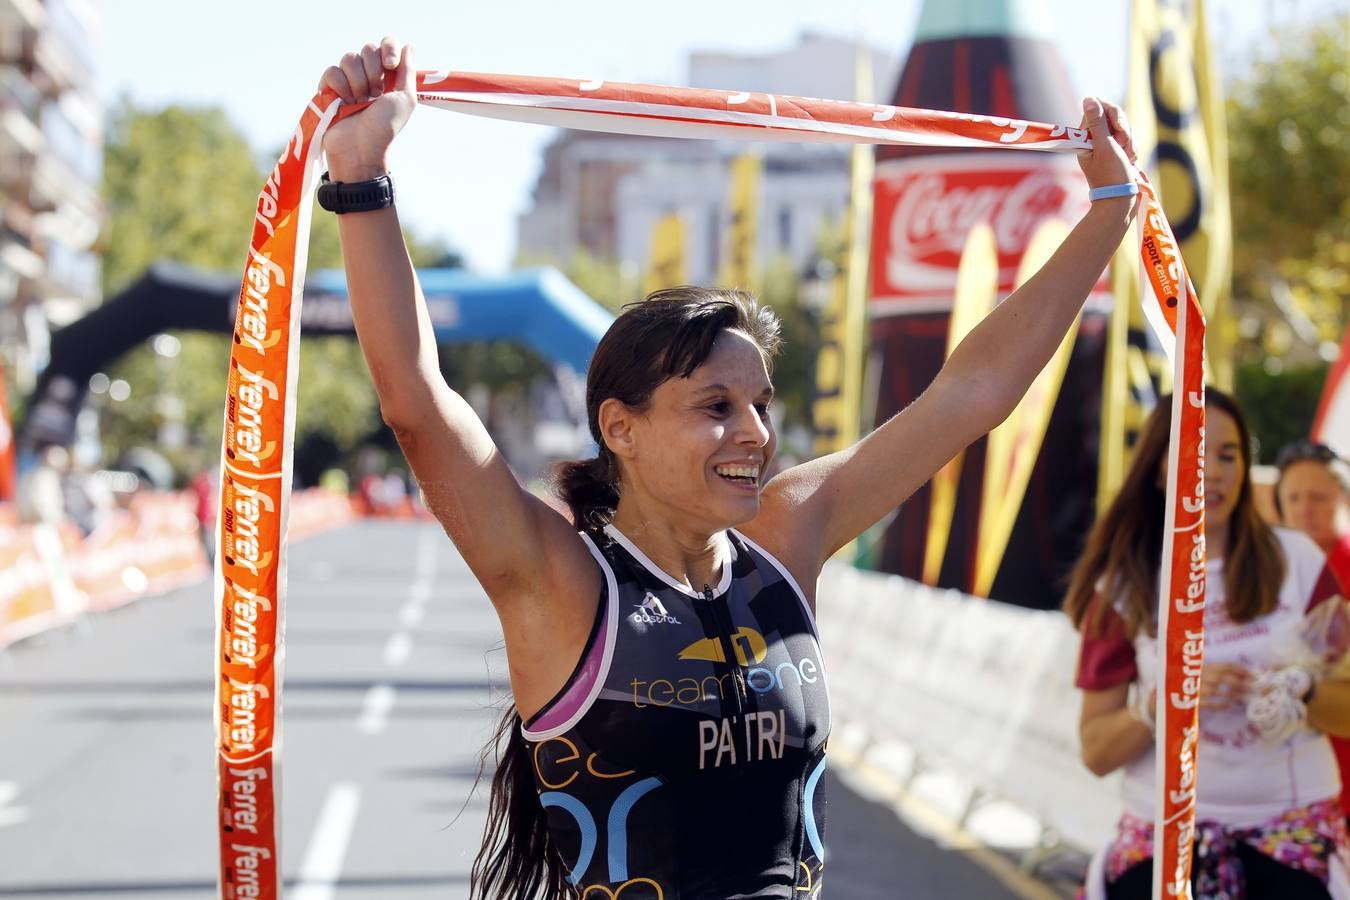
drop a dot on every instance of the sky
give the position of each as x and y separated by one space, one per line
465 179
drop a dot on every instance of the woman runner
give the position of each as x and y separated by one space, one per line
670 713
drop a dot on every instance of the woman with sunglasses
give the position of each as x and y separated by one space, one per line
1312 494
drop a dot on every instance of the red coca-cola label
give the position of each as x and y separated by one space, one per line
925 208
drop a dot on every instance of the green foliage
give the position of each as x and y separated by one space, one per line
196 377
604 281
1289 132
336 396
496 365
1279 407
181 183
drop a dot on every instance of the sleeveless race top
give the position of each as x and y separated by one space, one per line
683 759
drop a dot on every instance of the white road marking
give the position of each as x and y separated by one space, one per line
375 710
397 649
410 616
327 849
10 815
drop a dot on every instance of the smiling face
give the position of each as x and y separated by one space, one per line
697 454
1310 499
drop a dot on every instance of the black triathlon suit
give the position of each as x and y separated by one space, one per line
683 759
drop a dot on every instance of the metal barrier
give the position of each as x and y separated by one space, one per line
977 687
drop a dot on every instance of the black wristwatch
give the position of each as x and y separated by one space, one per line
356 196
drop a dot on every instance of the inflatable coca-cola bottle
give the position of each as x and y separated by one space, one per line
991 57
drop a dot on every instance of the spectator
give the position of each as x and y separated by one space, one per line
1312 494
1268 823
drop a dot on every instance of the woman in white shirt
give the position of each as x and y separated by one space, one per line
1268 823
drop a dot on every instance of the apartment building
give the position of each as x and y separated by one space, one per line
51 159
601 193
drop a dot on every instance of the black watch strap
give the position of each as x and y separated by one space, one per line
356 196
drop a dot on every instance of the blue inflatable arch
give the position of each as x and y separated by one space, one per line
538 308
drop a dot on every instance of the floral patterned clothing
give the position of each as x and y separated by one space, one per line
1307 839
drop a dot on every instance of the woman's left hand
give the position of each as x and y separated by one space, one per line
1111 159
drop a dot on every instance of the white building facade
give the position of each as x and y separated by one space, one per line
601 193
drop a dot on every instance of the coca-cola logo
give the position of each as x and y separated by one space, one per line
925 218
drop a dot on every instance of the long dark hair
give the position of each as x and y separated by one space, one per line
668 335
1124 550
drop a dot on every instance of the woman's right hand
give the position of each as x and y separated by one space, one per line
1224 686
358 146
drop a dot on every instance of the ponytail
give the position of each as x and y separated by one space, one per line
590 488
517 860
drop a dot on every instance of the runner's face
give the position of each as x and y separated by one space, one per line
1310 497
705 442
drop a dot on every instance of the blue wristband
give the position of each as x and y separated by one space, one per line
1107 192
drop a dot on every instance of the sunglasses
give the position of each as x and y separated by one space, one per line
1305 451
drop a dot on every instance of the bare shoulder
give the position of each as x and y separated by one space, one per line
547 620
783 529
564 574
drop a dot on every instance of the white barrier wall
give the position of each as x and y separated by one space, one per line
983 688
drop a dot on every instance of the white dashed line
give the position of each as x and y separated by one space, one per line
375 710
410 616
327 849
10 815
397 649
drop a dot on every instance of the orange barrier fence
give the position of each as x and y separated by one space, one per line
316 510
49 575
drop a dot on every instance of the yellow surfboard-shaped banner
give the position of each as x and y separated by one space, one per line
1014 445
976 295
741 269
666 265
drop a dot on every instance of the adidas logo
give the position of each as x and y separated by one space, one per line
651 611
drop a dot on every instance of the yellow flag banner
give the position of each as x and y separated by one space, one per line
976 294
666 261
1175 107
1012 447
260 410
837 409
741 269
1204 151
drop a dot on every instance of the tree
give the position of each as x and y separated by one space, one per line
1289 133
181 183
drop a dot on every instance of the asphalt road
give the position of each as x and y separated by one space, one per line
393 667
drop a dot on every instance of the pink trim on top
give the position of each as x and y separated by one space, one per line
565 710
578 693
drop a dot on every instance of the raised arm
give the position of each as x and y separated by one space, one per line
827 502
517 546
